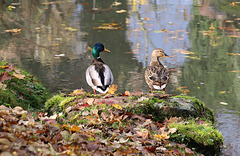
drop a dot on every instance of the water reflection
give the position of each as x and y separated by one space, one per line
200 35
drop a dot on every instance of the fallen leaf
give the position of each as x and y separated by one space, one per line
150 149
117 106
172 130
143 133
127 93
3 67
85 113
3 86
4 76
112 89
121 140
77 92
74 128
19 76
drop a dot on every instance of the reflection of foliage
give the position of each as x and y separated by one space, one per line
231 11
209 75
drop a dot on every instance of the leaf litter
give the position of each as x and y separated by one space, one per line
105 128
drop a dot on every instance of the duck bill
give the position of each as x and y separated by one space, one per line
167 56
106 50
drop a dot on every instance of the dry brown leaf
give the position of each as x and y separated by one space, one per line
19 76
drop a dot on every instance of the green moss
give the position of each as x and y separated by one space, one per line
7 98
25 91
54 101
67 101
206 136
149 107
200 107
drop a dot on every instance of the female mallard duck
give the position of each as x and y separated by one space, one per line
98 74
156 76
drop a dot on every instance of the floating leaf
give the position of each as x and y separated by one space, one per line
108 26
222 92
85 3
60 55
70 29
234 71
223 103
182 51
13 30
120 11
234 54
193 57
116 3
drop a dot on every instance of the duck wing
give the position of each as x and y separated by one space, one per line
156 75
99 75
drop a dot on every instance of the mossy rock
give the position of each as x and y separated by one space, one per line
199 134
19 88
180 106
58 103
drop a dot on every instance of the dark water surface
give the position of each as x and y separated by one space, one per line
202 36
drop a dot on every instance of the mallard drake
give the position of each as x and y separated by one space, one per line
156 75
98 74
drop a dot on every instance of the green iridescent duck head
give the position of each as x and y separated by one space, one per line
97 48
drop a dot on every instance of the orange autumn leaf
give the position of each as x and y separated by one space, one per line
64 126
74 128
112 89
127 93
164 30
3 67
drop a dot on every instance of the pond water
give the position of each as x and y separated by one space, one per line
50 39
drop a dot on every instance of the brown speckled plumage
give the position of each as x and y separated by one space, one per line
156 75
